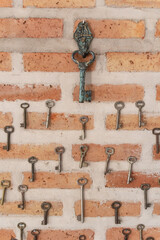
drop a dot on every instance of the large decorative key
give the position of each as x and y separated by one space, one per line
126 232
82 182
35 233
145 187
46 206
8 130
82 237
83 149
116 205
21 226
131 161
83 120
119 106
32 160
140 228
24 106
83 37
4 184
49 104
140 104
22 189
156 131
59 151
109 151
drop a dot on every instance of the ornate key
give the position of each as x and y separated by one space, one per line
50 104
116 205
150 238
131 161
140 105
22 189
119 106
82 182
140 228
35 233
126 232
24 106
21 226
4 184
59 151
145 187
32 160
46 207
84 150
83 120
82 237
8 130
156 131
109 151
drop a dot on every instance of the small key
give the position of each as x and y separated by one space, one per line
156 131
140 105
35 233
4 184
21 226
150 238
145 187
140 228
82 182
24 106
22 189
84 150
82 237
46 207
109 151
126 232
116 205
131 161
59 151
49 104
119 106
8 130
32 160
83 120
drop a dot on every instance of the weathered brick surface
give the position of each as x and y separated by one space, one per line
158 92
6 3
6 119
156 209
135 3
156 156
5 62
6 234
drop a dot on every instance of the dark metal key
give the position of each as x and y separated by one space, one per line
8 130
22 189
140 104
49 104
109 151
84 150
119 106
131 161
156 131
21 226
116 205
5 184
24 106
32 160
59 151
83 120
145 187
126 232
82 182
46 207
82 237
35 233
140 228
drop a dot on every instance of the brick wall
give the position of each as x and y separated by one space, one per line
36 43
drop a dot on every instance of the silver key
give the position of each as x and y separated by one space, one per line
4 184
21 226
82 237
140 228
83 120
156 131
46 207
84 150
116 205
82 182
32 160
131 161
22 189
24 106
35 233
126 232
109 151
119 106
145 187
59 151
140 104
50 104
8 130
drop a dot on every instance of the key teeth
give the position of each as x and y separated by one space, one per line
21 124
57 168
79 218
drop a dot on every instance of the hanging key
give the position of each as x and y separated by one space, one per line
45 207
119 106
150 238
82 182
83 120
131 161
4 184
8 130
24 106
116 205
59 151
109 151
82 237
32 160
145 187
84 150
126 232
156 131
49 104
22 189
21 226
140 105
35 233
140 228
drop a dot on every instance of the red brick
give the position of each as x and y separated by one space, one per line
5 62
6 119
158 92
156 209
6 3
6 234
135 3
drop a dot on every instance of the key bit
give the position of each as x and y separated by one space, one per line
21 226
32 160
84 150
140 104
22 189
131 161
8 130
109 151
119 106
4 184
45 207
59 151
82 182
12 238
24 106
82 237
156 131
140 228
49 104
83 120
145 187
116 205
35 233
126 232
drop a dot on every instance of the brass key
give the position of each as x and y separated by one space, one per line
8 130
84 150
32 160
24 106
46 207
119 106
109 151
49 104
131 161
35 233
83 120
140 105
59 151
21 226
4 184
22 189
82 182
145 187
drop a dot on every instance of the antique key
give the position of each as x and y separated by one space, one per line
22 189
126 232
21 226
131 161
49 104
119 106
8 130
35 233
83 120
82 237
109 151
59 151
116 205
82 182
24 106
150 238
145 187
32 160
140 228
140 104
4 184
46 207
156 131
83 149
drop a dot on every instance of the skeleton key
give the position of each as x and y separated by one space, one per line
119 106
46 207
82 237
83 149
82 182
4 184
35 233
109 151
116 205
131 161
59 151
21 226
156 131
50 104
32 160
83 120
8 130
140 228
150 238
24 106
140 105
22 189
145 187
126 232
